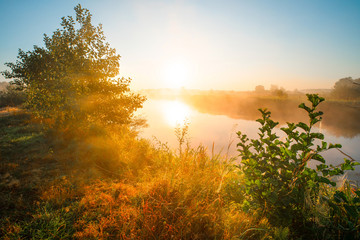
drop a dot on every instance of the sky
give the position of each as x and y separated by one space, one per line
225 45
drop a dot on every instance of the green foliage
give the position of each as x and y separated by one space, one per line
25 166
17 138
277 178
281 233
345 212
49 223
71 79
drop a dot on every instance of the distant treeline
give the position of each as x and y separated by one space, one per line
341 108
344 89
340 118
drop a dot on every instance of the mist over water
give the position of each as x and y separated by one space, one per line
217 132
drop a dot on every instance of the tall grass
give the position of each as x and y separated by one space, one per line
109 184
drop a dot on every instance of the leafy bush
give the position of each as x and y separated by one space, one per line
279 184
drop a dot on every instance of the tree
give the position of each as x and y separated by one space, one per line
281 93
278 92
260 89
347 88
72 78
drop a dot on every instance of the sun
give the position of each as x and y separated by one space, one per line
176 74
176 113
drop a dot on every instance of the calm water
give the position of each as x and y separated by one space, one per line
218 132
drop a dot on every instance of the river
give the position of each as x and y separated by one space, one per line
218 132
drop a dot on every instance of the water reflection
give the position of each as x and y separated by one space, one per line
340 119
220 130
175 113
207 129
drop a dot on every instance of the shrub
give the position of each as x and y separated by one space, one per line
279 184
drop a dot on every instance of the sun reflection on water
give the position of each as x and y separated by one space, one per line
176 113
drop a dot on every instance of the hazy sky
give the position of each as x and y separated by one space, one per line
230 45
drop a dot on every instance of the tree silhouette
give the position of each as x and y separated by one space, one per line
347 88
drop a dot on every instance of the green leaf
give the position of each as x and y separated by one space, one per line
314 121
346 166
318 157
261 121
325 172
324 180
315 114
302 125
340 196
323 145
334 146
317 135
357 192
303 106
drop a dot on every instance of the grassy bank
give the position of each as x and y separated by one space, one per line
110 185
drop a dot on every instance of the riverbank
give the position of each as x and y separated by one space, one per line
109 184
115 188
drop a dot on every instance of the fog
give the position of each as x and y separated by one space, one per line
340 117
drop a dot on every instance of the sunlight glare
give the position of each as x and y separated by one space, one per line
176 113
176 74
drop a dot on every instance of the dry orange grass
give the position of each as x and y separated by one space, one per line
183 200
119 187
121 211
